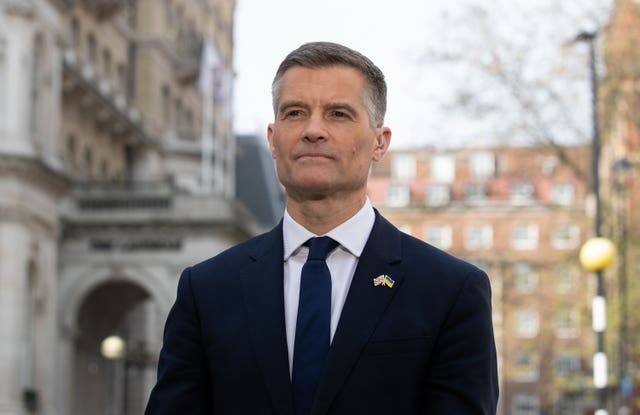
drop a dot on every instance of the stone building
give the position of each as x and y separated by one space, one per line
520 214
105 195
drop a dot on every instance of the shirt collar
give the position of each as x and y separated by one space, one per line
352 234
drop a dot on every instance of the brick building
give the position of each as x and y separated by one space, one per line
520 213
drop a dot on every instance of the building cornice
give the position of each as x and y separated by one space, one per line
36 173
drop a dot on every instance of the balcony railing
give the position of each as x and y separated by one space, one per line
104 9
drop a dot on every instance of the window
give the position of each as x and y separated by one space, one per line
478 236
548 166
438 194
29 334
88 162
525 366
567 363
403 166
524 404
522 191
177 115
71 151
3 78
106 64
525 279
166 105
483 165
565 236
567 323
475 191
91 49
121 74
75 33
563 193
398 195
438 235
443 168
524 237
567 278
527 323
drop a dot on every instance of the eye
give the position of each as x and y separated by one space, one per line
340 114
293 114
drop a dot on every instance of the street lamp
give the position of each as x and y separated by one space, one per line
114 348
596 250
595 255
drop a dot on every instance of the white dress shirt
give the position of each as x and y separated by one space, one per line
352 236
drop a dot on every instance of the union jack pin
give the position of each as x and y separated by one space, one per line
383 280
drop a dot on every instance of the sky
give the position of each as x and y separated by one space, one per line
392 37
397 36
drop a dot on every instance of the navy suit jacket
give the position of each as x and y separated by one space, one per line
424 346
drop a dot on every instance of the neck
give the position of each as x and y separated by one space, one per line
322 215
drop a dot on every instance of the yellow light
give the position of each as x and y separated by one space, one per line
597 254
113 347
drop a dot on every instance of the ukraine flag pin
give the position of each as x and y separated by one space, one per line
383 280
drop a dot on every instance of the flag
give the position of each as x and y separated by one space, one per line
210 63
388 281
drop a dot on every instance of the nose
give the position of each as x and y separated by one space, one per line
315 129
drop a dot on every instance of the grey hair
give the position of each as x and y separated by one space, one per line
324 54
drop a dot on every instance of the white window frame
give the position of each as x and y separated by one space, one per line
573 366
527 323
565 236
525 278
567 323
563 193
529 241
397 195
437 194
438 235
523 191
526 404
482 165
403 166
443 168
485 233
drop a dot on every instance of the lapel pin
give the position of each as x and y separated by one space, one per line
383 280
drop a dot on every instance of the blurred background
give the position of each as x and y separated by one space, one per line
133 144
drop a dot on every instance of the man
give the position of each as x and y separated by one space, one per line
376 323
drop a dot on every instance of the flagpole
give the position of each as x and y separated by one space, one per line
209 61
207 143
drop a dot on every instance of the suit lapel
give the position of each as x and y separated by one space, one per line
264 300
363 308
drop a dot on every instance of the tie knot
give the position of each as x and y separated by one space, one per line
320 247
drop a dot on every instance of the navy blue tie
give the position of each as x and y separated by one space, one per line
313 327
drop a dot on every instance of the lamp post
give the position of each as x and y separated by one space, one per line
114 348
595 255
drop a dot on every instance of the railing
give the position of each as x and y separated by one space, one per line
103 9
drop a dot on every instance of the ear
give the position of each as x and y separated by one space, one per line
270 133
383 139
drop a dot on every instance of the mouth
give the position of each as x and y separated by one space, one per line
315 156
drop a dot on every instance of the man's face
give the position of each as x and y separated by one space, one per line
322 140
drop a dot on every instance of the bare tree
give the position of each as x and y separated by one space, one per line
514 74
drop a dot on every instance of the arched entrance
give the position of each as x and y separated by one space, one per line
119 386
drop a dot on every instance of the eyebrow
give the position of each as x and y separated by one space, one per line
289 104
330 106
342 105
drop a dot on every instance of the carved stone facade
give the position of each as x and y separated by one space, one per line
102 200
